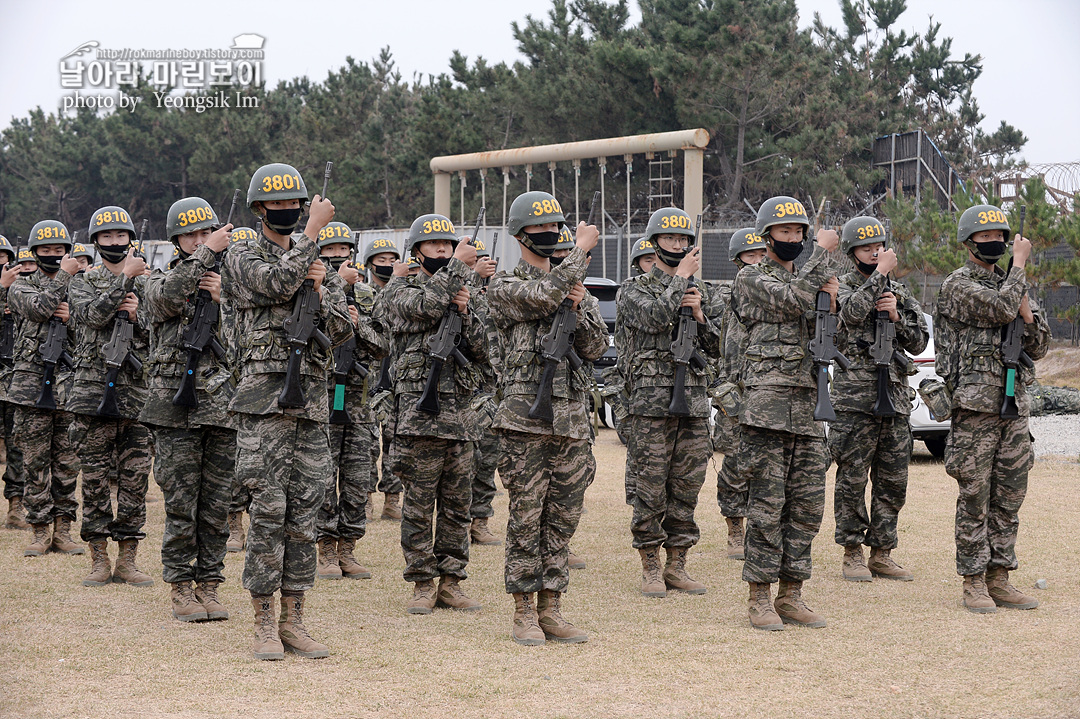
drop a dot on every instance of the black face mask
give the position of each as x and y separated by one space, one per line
434 264
669 258
26 273
556 261
48 265
383 272
542 243
335 262
283 222
787 251
113 253
865 268
989 251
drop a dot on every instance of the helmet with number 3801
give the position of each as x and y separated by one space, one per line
276 181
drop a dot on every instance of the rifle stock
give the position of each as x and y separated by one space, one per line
1012 350
52 352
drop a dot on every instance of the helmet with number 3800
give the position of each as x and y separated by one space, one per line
859 231
781 210
276 181
189 215
430 227
49 232
980 218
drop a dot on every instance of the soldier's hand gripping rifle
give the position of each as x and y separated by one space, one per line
118 349
7 320
823 350
51 352
558 344
345 362
684 351
1012 349
882 351
200 335
444 344
300 328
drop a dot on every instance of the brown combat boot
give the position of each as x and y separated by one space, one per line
976 598
101 569
267 643
235 542
350 568
327 566
675 576
481 534
293 633
206 594
525 628
392 506
125 571
884 566
1004 593
39 542
185 606
735 538
61 538
452 596
423 598
855 569
762 613
551 620
792 609
573 561
16 515
652 577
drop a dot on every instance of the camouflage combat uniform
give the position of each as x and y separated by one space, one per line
195 448
546 466
859 441
732 493
669 453
282 455
782 451
50 467
14 479
432 455
488 447
109 449
988 456
382 478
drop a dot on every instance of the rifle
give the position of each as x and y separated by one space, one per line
300 328
685 353
118 349
883 350
1012 349
199 333
345 362
444 344
7 322
557 345
823 350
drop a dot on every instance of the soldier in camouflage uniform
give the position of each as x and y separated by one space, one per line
432 452
39 305
195 443
782 451
546 465
283 453
988 455
13 479
861 439
668 451
115 447
342 519
82 255
732 494
1053 400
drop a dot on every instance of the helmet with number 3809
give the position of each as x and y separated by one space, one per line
189 215
781 210
276 181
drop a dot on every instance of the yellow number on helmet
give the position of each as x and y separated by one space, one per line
288 182
267 184
780 211
983 219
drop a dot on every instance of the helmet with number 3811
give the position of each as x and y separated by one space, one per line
189 215
430 227
276 181
49 232
781 210
378 246
859 231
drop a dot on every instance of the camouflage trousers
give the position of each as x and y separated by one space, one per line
342 514
670 456
112 449
241 499
989 457
382 472
785 473
732 492
862 443
195 469
14 476
50 466
283 461
629 478
488 450
545 477
436 476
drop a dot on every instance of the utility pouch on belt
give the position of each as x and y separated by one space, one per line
935 395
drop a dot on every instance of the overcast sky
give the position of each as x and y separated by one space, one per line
1031 53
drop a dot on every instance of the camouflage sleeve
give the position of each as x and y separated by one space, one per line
333 310
912 333
1036 341
524 301
256 283
38 305
591 335
640 309
759 296
166 293
710 334
856 303
98 309
421 306
370 340
964 299
473 329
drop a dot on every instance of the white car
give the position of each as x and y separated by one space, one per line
932 433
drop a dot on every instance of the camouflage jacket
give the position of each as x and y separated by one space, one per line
169 305
776 308
94 297
734 339
32 301
5 371
523 306
855 389
260 281
972 307
372 343
647 320
415 307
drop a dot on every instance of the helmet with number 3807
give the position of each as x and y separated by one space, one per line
669 221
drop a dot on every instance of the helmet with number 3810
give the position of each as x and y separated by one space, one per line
110 217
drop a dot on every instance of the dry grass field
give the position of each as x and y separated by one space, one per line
1060 367
890 650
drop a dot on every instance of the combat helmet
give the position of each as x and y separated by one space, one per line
780 210
430 227
859 231
189 215
742 241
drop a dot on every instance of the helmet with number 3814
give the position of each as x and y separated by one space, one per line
781 210
49 232
276 181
